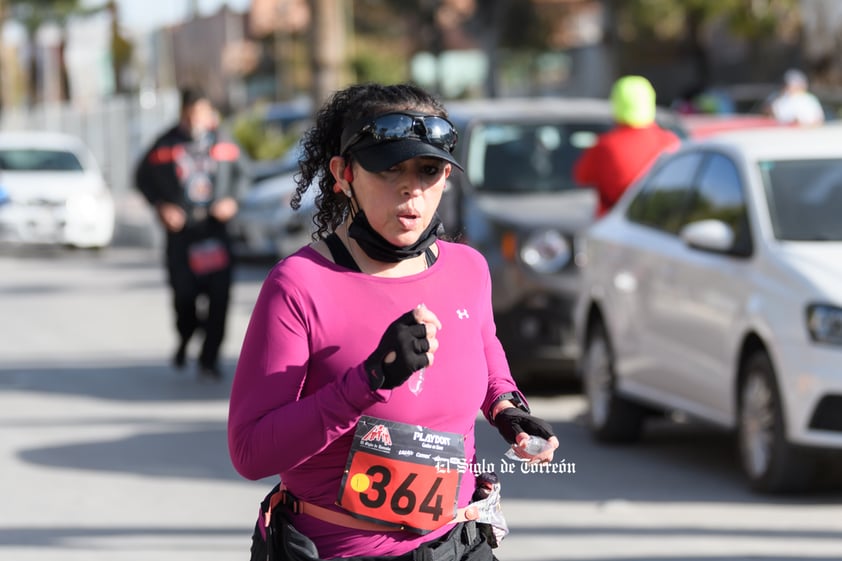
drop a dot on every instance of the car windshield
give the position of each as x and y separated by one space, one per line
36 159
518 158
805 199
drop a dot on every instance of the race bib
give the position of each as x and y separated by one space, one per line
393 475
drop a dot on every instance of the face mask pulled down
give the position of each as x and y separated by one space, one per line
378 248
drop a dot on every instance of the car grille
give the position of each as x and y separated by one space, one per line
42 203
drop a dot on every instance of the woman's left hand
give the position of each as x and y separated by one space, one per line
516 426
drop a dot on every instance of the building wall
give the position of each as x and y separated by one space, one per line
198 46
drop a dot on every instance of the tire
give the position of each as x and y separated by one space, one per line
611 418
770 463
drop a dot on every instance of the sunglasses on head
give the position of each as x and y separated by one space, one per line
431 129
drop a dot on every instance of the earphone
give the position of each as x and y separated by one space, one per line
348 174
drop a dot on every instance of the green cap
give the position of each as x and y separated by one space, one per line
633 101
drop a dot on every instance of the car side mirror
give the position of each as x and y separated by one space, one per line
709 235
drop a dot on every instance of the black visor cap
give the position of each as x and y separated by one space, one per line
379 156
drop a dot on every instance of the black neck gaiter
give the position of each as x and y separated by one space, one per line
376 247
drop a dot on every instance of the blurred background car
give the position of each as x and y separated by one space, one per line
55 192
266 227
517 203
712 289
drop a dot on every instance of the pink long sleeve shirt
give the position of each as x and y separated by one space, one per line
300 387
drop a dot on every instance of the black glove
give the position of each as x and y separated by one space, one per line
408 340
485 483
513 421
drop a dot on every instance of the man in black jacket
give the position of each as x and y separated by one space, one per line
193 179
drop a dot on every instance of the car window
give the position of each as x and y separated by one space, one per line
661 202
804 198
518 158
719 195
38 160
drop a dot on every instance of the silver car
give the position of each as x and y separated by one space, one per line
266 227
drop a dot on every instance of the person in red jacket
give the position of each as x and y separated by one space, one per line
624 153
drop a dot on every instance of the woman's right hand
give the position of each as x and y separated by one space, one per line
408 345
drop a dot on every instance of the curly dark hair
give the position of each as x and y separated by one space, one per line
321 142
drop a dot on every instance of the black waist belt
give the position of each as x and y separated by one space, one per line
285 543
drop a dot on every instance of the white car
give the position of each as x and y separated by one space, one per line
55 192
714 289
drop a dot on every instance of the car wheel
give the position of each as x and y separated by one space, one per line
611 418
770 463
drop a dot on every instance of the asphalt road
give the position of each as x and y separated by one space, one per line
106 453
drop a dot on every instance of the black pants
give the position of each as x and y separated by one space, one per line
187 288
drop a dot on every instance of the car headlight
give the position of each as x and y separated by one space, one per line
825 323
84 206
545 251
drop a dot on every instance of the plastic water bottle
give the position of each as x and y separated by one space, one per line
534 446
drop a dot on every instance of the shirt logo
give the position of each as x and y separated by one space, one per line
462 314
378 433
416 381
